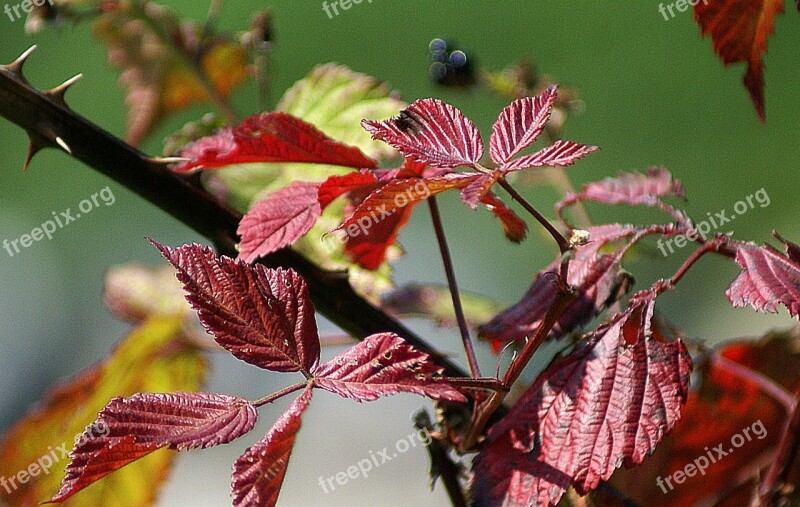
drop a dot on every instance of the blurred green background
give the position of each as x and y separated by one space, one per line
654 94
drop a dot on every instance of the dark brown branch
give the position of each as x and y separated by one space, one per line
442 465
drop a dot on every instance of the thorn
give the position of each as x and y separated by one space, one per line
16 66
167 160
58 92
64 145
33 148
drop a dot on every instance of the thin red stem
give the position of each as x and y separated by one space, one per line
708 246
279 394
563 243
484 411
766 384
463 327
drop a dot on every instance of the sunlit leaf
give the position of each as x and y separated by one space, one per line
270 137
768 278
335 99
520 124
432 132
258 474
262 316
606 404
140 425
279 220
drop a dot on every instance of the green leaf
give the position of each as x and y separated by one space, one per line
335 99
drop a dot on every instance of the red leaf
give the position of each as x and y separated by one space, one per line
131 428
598 278
520 124
262 316
336 186
514 227
768 278
728 404
279 220
559 154
270 137
369 250
629 188
375 229
608 403
432 132
398 194
474 193
382 365
258 473
739 30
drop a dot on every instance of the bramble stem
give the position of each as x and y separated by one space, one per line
279 394
436 217
485 410
708 246
563 243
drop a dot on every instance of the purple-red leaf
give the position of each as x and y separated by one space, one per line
629 188
337 185
131 428
258 473
432 132
608 403
270 137
520 124
262 316
558 154
768 278
382 365
279 220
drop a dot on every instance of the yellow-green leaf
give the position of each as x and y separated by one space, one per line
154 357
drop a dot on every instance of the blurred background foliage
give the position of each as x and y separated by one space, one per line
653 94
